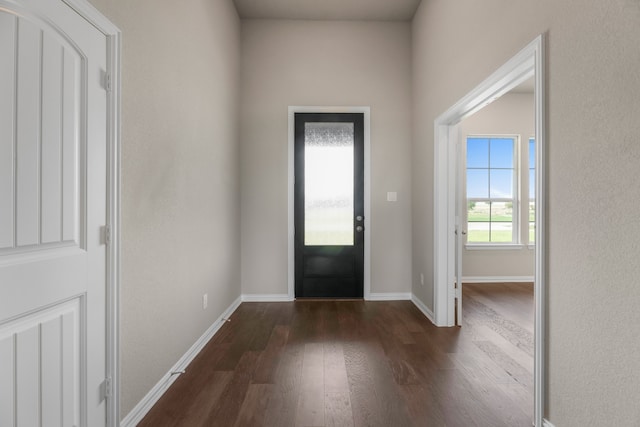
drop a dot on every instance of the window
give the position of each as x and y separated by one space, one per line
492 190
532 190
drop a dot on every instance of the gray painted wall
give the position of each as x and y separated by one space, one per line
592 158
180 179
317 63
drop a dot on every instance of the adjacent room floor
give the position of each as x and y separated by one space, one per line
357 363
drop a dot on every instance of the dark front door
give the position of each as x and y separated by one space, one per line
329 205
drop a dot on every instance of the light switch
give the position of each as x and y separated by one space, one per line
392 196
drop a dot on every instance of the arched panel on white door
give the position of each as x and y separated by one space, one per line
41 124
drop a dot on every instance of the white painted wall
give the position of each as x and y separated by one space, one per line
180 179
593 152
323 63
512 114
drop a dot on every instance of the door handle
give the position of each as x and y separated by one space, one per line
359 229
359 218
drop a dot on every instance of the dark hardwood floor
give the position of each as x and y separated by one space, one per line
356 363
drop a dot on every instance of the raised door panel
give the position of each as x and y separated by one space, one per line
27 137
7 123
41 174
40 368
7 394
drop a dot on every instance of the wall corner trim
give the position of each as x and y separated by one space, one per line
266 298
546 423
142 408
423 308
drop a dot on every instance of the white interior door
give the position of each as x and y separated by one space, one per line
52 210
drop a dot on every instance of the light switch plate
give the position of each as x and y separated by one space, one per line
392 196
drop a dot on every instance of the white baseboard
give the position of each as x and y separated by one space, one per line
423 308
546 423
497 279
266 298
140 410
389 296
380 296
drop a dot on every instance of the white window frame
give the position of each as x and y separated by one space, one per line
516 241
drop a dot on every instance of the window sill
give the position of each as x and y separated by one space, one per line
494 246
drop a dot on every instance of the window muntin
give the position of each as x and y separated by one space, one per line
491 190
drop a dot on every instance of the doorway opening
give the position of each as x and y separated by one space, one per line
496 207
528 63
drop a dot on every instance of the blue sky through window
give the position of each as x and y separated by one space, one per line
477 152
501 153
490 167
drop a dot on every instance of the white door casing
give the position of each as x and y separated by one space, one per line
291 194
454 135
53 209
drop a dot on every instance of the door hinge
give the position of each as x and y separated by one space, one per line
106 235
106 391
107 82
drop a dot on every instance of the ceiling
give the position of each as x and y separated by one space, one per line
345 10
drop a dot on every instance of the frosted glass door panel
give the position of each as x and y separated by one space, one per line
328 184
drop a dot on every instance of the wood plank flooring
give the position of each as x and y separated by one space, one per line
357 363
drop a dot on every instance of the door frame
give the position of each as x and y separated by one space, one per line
291 194
112 232
525 64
